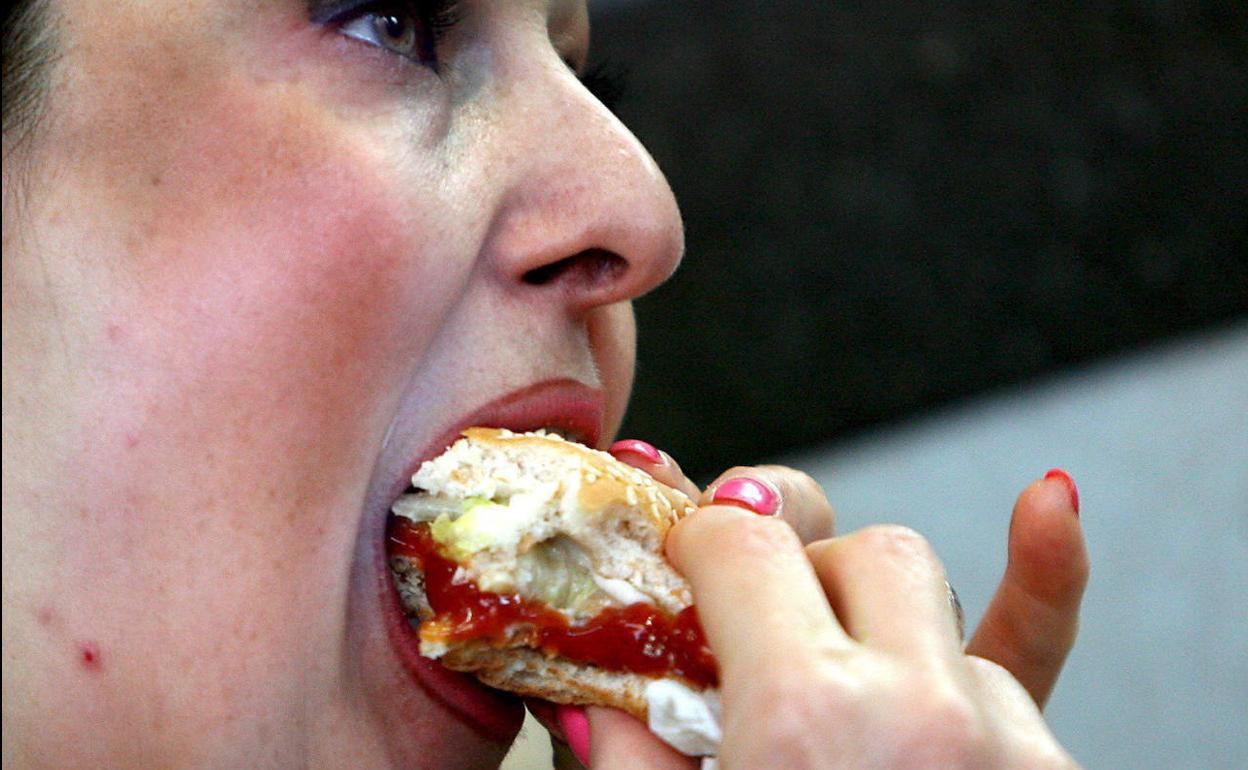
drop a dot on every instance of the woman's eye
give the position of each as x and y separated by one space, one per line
397 31
409 28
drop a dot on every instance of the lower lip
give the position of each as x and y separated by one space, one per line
493 714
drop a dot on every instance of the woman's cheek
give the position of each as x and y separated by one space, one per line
278 276
249 277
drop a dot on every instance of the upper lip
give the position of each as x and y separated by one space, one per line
565 405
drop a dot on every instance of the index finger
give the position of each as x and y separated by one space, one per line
755 591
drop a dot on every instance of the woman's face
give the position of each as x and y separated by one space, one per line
269 257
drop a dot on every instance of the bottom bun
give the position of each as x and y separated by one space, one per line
524 670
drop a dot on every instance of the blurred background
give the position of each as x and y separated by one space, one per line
935 248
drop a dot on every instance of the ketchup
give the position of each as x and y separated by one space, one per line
639 638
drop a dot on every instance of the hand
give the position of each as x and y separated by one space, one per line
856 659
1031 622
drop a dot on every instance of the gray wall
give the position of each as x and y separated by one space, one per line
1158 443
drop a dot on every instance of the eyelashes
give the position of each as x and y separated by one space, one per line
380 23
407 28
439 15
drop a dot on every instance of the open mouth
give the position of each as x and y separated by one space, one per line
534 563
563 407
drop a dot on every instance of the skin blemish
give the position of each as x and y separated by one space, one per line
89 655
132 440
114 333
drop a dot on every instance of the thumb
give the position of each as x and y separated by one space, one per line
617 739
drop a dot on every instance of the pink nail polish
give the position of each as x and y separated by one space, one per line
748 493
639 448
575 727
1058 473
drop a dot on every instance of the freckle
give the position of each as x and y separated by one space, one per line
155 180
46 616
114 333
90 654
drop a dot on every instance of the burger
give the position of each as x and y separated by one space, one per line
536 563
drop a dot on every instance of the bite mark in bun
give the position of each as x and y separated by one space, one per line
536 563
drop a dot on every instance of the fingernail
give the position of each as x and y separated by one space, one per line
575 726
1058 473
639 448
748 493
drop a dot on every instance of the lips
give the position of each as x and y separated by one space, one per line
563 405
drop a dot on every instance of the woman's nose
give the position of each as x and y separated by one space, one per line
586 215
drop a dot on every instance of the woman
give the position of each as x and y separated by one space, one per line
262 258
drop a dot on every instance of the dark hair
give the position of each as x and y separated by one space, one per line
28 51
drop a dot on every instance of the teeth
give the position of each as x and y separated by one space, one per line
566 435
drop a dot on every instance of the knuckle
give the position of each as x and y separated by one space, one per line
806 505
989 669
800 481
755 536
739 470
743 536
898 541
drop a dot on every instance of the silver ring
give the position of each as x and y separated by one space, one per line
956 605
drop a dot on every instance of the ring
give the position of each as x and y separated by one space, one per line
956 605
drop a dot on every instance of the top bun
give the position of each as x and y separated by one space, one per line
555 488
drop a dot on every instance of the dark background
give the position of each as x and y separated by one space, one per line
890 205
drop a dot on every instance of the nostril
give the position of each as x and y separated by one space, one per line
586 269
